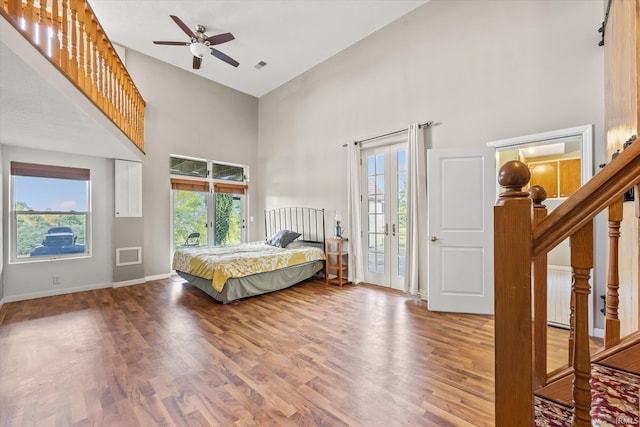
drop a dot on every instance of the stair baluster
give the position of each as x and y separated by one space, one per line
582 263
13 9
65 49
82 37
55 33
612 321
539 195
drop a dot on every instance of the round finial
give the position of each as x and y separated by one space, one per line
514 175
538 194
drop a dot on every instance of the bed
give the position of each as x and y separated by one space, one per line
292 252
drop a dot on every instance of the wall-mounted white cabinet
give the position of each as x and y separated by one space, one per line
128 191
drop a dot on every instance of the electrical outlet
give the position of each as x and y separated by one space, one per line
56 280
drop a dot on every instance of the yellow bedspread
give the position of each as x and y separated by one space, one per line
222 262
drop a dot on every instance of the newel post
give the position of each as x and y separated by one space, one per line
513 317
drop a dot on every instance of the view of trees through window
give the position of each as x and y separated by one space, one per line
227 221
191 216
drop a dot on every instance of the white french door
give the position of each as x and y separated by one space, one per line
384 214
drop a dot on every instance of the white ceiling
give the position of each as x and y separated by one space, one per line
291 36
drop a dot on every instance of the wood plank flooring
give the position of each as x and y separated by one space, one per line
164 353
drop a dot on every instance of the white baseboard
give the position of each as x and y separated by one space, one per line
128 283
53 292
598 333
157 277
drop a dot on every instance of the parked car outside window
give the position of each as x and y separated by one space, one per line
58 240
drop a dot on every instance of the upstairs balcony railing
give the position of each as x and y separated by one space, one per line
524 234
69 34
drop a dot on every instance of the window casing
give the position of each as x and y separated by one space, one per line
50 212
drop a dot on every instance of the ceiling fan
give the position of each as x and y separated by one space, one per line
201 45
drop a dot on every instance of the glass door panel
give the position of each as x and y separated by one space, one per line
400 222
384 214
190 217
229 219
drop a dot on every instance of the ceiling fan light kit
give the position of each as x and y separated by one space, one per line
201 45
199 49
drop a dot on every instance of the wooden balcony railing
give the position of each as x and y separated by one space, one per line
524 234
69 34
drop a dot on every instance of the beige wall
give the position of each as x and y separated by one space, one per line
188 115
483 70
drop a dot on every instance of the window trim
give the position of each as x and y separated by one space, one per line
55 172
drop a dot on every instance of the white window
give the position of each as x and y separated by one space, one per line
50 212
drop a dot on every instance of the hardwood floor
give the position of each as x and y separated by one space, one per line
164 353
558 347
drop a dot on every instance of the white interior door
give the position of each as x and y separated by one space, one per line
461 188
384 214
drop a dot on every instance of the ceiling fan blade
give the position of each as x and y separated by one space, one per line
220 38
184 26
196 62
173 43
223 57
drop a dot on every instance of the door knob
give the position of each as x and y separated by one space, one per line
434 238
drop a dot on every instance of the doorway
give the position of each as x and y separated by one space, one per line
560 161
384 214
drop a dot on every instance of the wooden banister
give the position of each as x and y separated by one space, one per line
520 227
82 52
596 195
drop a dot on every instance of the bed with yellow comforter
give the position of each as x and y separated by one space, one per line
232 272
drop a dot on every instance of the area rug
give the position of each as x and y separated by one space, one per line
615 401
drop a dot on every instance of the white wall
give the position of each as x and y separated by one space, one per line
483 70
34 279
1 230
188 115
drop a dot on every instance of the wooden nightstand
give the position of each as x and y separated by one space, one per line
336 261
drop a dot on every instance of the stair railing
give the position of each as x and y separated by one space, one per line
523 237
69 35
